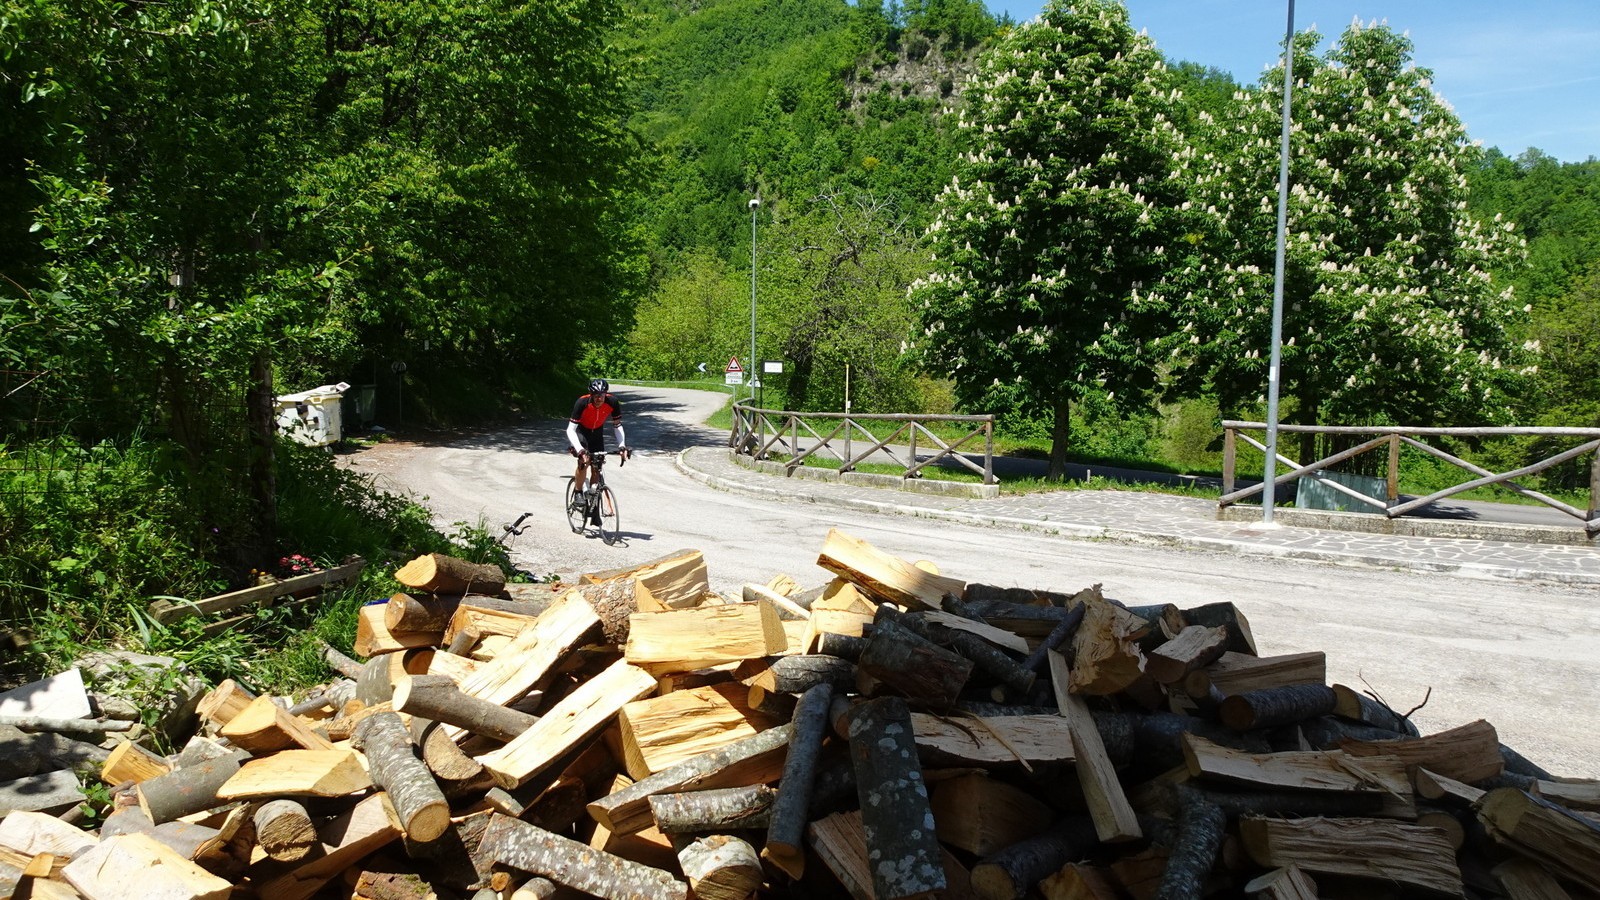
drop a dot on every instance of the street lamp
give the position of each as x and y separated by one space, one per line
750 366
1268 489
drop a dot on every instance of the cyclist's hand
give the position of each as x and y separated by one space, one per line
573 451
624 454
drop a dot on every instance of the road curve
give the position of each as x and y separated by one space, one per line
1525 657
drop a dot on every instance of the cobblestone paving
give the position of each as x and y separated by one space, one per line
1161 518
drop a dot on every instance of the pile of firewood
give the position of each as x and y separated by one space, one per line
892 733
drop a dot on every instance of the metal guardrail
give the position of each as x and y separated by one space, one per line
1393 438
761 432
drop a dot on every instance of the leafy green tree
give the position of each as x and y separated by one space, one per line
1391 313
833 296
1063 217
699 315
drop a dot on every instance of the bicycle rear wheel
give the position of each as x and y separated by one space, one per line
609 519
575 509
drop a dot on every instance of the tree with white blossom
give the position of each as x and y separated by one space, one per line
1060 223
1391 313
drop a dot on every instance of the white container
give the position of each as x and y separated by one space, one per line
312 417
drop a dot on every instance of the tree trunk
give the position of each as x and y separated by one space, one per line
1060 434
258 400
383 739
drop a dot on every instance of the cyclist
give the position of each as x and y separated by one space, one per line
584 433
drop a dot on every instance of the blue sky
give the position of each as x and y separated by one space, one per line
1519 75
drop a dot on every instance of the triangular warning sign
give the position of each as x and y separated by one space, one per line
733 365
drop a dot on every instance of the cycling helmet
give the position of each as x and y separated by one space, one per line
599 386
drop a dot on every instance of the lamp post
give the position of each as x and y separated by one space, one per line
750 366
1268 492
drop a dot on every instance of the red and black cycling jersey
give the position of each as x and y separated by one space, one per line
590 416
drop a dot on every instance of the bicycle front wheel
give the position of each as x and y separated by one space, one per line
575 509
609 520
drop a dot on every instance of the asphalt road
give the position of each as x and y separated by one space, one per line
1525 657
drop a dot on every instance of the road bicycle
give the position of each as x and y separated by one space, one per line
597 505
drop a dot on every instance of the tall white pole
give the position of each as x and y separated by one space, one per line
1268 492
750 365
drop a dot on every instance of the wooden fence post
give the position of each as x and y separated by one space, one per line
988 451
1394 469
1229 449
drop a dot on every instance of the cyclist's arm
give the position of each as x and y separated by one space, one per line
616 432
572 436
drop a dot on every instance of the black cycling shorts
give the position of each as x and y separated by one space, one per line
592 440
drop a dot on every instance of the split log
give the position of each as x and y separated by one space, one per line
1011 873
572 720
373 637
1469 753
1228 616
1201 827
297 773
199 749
423 812
1287 883
674 581
1194 647
999 637
790 812
436 573
345 840
658 732
1526 880
754 760
840 841
1114 819
264 726
1076 881
188 790
714 811
789 610
532 654
1580 794
563 803
487 624
1001 740
1318 770
31 833
720 867
895 813
983 815
405 614
457 773
1272 707
1354 705
1105 654
61 696
284 830
913 666
436 697
683 640
1368 848
1236 673
531 849
223 702
138 865
190 840
884 577
1561 840
130 762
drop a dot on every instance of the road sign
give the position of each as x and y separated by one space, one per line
733 373
733 366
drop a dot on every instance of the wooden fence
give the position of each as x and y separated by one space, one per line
1392 439
762 433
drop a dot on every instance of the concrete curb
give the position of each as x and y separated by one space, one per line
1097 532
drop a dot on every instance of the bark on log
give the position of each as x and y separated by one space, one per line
914 666
754 760
436 697
339 662
895 812
1059 635
436 573
457 772
1273 707
790 813
1563 841
1354 705
406 614
1012 873
800 673
1022 619
188 790
1201 827
991 660
720 867
383 739
844 646
527 848
1227 615
65 726
284 830
718 810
